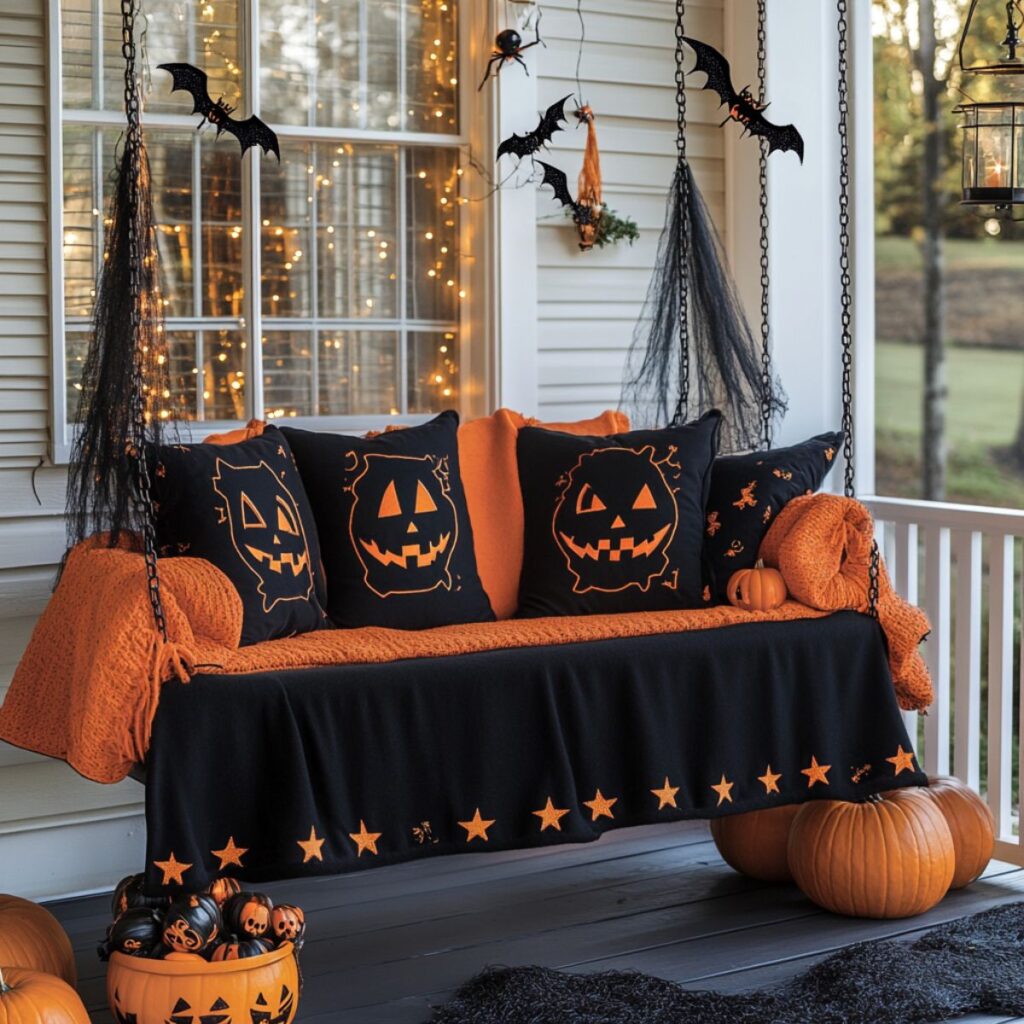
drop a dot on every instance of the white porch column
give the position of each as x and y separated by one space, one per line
803 208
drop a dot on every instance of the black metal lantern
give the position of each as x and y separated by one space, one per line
993 131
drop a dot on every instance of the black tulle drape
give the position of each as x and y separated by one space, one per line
125 401
724 357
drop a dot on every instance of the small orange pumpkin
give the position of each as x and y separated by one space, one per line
971 823
757 590
756 843
154 991
889 857
31 937
31 997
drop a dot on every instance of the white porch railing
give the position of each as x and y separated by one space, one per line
962 564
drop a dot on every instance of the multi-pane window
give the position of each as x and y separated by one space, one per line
352 240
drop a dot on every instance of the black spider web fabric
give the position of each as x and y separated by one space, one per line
974 965
725 357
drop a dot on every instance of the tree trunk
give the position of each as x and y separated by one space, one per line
933 441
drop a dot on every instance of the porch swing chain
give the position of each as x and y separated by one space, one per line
766 354
846 282
142 498
683 204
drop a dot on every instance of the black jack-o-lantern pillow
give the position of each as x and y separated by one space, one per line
243 508
749 491
614 524
392 520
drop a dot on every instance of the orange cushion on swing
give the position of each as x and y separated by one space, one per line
490 478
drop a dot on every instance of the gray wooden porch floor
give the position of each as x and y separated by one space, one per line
385 945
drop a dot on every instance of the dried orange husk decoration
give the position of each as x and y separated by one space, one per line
756 843
32 997
891 856
588 185
757 590
971 823
31 937
155 991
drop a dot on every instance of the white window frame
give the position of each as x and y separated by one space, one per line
490 372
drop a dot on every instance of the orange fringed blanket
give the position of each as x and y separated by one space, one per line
821 544
88 685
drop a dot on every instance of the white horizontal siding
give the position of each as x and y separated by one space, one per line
588 303
46 809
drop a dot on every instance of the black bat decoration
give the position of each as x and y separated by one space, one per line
743 108
581 213
250 132
531 142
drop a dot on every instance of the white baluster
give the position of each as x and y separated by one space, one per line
967 670
937 649
1000 681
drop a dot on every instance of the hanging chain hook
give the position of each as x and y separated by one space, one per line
766 350
845 276
682 185
133 165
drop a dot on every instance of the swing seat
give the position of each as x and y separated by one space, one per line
371 746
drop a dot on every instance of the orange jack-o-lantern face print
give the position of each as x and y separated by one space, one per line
404 526
614 520
266 530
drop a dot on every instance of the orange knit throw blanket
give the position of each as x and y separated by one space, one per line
88 685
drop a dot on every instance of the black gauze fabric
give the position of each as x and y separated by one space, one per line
614 524
243 508
974 965
393 525
749 491
667 727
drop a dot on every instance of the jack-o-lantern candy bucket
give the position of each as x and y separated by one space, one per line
263 989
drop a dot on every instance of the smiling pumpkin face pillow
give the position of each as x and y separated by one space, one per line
243 507
614 524
395 533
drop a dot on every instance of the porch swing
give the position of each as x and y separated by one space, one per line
341 749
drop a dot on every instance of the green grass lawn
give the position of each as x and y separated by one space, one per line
985 391
891 251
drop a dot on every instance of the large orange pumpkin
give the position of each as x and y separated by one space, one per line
32 997
971 823
756 843
31 937
155 991
757 589
889 857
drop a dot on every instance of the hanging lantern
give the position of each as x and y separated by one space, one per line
993 131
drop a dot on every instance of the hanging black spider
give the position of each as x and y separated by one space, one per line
508 45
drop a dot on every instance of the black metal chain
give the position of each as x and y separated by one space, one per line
683 204
142 496
766 350
846 284
845 277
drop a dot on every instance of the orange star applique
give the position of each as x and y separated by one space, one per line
231 854
173 870
600 806
816 773
770 780
551 816
365 840
724 791
666 795
311 847
903 761
476 827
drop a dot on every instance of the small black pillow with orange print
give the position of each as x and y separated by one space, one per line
243 508
748 491
614 524
393 525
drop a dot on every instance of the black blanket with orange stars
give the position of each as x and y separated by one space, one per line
326 770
